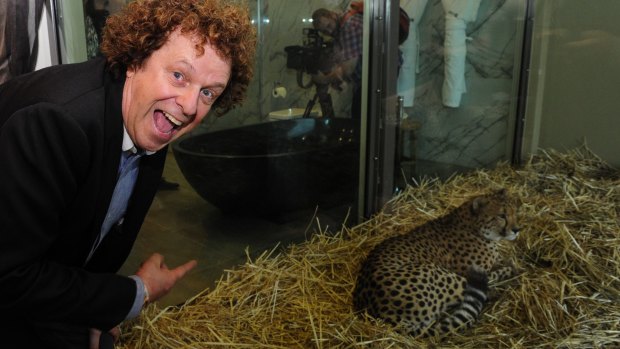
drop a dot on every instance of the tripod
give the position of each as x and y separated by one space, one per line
325 100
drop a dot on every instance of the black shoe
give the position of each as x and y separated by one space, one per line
165 185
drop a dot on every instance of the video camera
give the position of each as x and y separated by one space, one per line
314 56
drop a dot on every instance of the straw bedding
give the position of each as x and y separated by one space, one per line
566 295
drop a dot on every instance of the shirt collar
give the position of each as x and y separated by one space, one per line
128 144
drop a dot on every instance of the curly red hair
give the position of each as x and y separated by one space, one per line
143 26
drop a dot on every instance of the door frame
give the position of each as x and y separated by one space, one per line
380 106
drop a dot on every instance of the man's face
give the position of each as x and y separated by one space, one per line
325 25
172 92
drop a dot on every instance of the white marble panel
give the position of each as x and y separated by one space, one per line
473 134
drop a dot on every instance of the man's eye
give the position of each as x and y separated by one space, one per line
177 75
208 93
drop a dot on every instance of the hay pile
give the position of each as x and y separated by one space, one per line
567 294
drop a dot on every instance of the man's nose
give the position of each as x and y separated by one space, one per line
188 101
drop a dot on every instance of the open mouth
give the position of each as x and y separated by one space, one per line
166 123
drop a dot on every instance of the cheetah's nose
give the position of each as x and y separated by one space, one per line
512 234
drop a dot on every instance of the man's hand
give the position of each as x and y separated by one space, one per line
331 79
322 79
157 278
111 337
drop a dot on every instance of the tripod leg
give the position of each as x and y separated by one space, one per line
310 105
325 100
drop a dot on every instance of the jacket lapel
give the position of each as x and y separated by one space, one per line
113 139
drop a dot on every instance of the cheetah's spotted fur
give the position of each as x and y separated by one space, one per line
433 279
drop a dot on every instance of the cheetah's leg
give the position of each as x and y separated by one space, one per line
430 292
463 315
501 274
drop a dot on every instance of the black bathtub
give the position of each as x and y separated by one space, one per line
274 167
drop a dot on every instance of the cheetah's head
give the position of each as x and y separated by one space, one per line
497 215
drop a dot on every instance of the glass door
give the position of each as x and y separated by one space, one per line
445 100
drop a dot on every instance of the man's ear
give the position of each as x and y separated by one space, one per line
130 71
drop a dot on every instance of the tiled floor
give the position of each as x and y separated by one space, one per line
182 226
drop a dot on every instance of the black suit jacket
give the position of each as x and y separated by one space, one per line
60 147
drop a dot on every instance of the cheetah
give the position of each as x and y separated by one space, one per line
434 279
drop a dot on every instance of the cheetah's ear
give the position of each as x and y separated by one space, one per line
478 203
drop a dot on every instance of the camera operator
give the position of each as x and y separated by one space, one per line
346 30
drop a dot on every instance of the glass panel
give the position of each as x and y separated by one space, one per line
71 31
573 95
308 142
458 80
275 174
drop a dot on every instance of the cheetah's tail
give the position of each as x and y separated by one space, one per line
463 315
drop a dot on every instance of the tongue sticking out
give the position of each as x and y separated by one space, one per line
162 123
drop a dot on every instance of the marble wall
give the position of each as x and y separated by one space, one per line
477 132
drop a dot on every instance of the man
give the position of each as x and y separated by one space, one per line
83 148
347 32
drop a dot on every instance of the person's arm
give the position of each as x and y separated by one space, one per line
45 156
351 44
161 280
349 52
347 67
340 72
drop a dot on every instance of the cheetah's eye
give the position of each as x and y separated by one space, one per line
502 216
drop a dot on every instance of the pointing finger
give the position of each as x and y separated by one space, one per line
181 270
